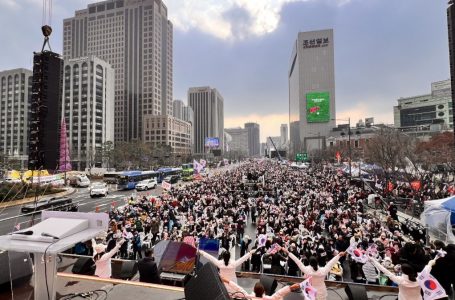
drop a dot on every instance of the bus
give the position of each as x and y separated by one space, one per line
187 172
128 180
164 172
111 177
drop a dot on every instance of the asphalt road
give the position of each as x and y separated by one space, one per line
11 216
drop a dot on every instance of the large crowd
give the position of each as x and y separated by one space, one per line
309 216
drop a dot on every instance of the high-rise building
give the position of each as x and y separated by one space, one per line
15 97
170 131
311 90
208 108
284 134
425 115
177 109
88 109
135 37
253 139
239 140
188 114
45 111
451 30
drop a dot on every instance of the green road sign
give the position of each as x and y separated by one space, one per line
301 157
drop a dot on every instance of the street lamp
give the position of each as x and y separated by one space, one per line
349 142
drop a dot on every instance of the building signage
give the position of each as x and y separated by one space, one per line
318 107
315 43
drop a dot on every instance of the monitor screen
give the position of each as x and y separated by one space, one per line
178 258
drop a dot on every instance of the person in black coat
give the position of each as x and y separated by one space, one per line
443 269
148 270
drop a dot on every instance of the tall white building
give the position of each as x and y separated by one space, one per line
239 140
135 37
311 90
88 108
208 108
177 109
15 96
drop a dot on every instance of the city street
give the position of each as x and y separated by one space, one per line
11 216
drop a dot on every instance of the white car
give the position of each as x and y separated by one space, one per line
99 189
146 184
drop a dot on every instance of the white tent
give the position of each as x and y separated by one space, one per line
439 219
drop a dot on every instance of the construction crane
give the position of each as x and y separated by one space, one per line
278 152
46 23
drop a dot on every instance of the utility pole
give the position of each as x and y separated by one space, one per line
350 146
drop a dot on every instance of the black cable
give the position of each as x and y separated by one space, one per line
241 293
389 295
88 294
45 269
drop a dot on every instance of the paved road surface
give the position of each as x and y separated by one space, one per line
11 216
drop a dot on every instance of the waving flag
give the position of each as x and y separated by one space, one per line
308 291
203 162
431 288
262 239
197 167
274 249
372 250
357 254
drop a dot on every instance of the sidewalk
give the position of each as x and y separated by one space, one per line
69 191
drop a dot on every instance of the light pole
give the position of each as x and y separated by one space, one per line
349 142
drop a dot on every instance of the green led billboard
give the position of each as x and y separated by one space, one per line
318 107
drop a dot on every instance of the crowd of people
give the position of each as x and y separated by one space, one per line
309 217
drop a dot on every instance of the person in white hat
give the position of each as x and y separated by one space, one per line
103 259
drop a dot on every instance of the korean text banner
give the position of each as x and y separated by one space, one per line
318 107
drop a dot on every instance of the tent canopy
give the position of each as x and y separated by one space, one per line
439 218
449 204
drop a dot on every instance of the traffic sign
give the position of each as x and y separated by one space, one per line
301 157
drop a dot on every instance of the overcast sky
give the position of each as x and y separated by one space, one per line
384 49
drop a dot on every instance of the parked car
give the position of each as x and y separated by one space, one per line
146 184
55 203
79 181
99 189
172 179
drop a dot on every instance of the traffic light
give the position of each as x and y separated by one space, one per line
305 156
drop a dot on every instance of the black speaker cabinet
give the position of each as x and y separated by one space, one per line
356 292
206 285
269 283
21 267
124 270
84 266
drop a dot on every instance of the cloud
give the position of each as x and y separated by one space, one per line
220 17
269 123
364 110
9 4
